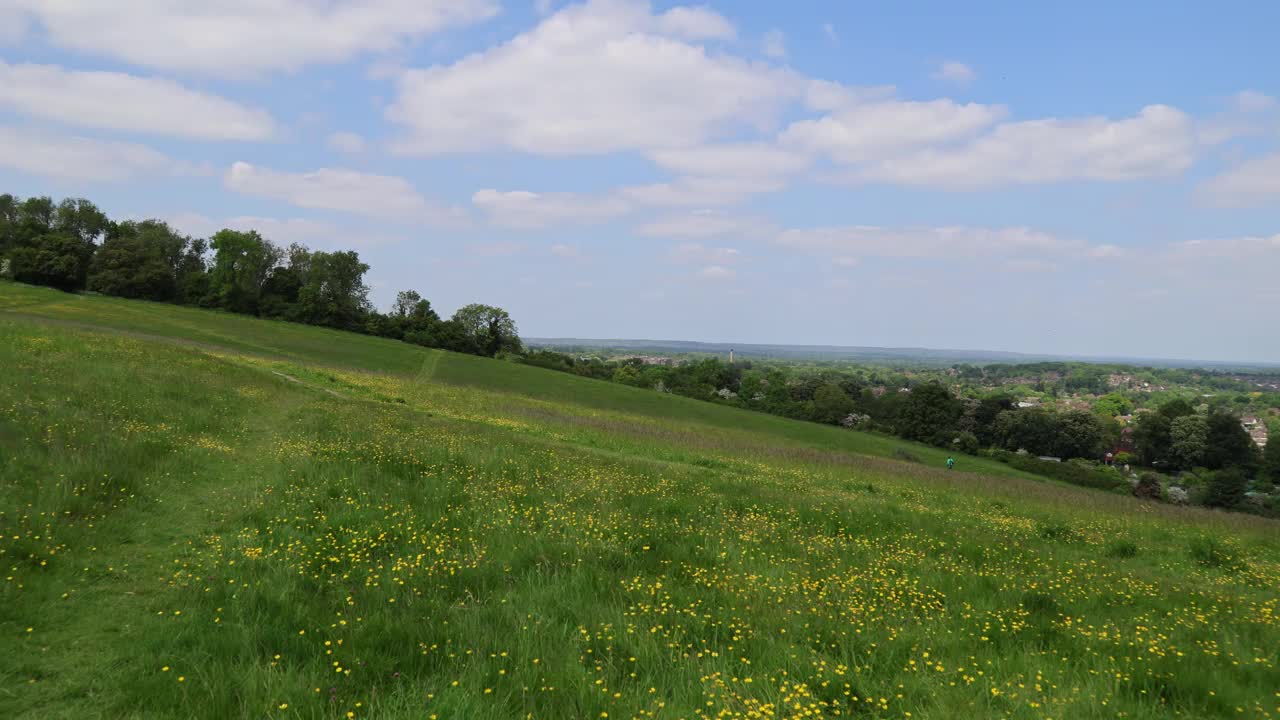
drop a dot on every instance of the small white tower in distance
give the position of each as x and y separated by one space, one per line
730 356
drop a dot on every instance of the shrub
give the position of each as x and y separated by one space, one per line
1073 473
1148 487
965 442
1226 489
1058 531
1122 549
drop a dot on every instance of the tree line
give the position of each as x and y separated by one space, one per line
72 245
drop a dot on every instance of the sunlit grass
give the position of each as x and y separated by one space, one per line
196 528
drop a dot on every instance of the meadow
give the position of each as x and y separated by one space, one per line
208 515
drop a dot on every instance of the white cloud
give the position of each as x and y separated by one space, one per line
955 72
705 224
699 191
315 234
542 6
347 142
378 196
497 249
1248 112
565 251
694 23
1254 182
117 101
731 160
1242 248
523 209
1250 101
888 128
606 76
82 158
235 38
716 272
830 31
696 254
1024 265
1157 142
933 243
774 44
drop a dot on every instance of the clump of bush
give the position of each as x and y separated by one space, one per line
1122 549
1084 474
1058 531
1148 487
1226 489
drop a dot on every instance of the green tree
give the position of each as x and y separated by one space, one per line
489 328
1033 430
242 262
333 292
1079 435
1188 440
1113 404
55 259
1271 462
1151 433
1226 488
8 224
82 220
413 319
140 260
1228 444
831 404
927 410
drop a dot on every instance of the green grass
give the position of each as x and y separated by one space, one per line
302 523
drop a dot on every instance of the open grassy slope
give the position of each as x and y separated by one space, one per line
204 515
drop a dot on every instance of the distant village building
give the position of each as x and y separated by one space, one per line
1257 430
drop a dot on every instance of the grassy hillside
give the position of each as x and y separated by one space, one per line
204 515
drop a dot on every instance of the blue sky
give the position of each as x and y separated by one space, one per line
1083 179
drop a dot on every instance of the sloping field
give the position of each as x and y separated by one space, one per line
204 515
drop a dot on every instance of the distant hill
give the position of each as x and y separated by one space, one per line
875 355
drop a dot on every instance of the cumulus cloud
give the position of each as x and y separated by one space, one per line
236 38
697 254
607 76
717 272
955 72
888 128
934 243
705 224
81 158
1254 182
699 191
117 101
732 160
1241 248
1158 142
379 196
524 209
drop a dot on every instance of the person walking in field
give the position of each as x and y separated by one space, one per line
951 462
